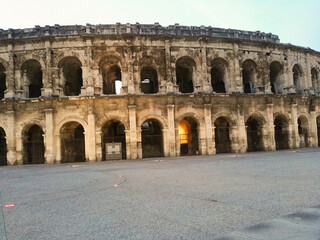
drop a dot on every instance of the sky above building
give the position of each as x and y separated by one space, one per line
294 21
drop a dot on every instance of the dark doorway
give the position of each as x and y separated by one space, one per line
297 78
218 75
275 77
149 80
32 73
3 86
111 74
72 75
3 148
315 78
34 146
281 133
248 76
184 72
113 132
303 130
254 135
188 137
72 143
152 141
222 136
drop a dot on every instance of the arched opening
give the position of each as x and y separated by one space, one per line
33 146
303 130
254 135
218 75
184 72
71 70
318 130
3 86
152 141
275 77
222 135
188 136
281 133
111 75
113 132
72 143
149 80
3 148
248 76
315 78
32 77
297 78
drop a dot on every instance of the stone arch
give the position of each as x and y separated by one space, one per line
24 127
193 115
258 115
219 74
4 63
185 74
304 130
157 117
70 119
65 54
33 144
298 77
32 75
248 73
3 147
275 77
70 74
109 55
108 118
231 119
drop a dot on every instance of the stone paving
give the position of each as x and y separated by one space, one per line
267 195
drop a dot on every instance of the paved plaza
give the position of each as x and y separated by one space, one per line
224 196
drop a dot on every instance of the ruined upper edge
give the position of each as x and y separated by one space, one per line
136 29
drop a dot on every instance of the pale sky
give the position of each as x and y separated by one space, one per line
295 21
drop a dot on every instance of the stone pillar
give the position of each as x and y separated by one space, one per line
128 147
90 87
135 152
130 81
91 135
10 74
57 141
47 89
291 136
206 82
236 85
166 144
268 130
295 133
208 127
202 140
241 133
313 130
308 80
19 149
289 85
214 151
10 137
171 131
170 84
49 138
97 81
98 146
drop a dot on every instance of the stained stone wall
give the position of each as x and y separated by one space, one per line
63 79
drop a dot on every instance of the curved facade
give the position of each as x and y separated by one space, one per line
67 91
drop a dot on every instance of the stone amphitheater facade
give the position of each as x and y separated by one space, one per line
159 91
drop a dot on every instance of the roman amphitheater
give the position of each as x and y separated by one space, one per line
98 92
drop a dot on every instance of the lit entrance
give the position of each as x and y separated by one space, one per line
188 137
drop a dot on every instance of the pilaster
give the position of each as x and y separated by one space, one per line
171 131
49 137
